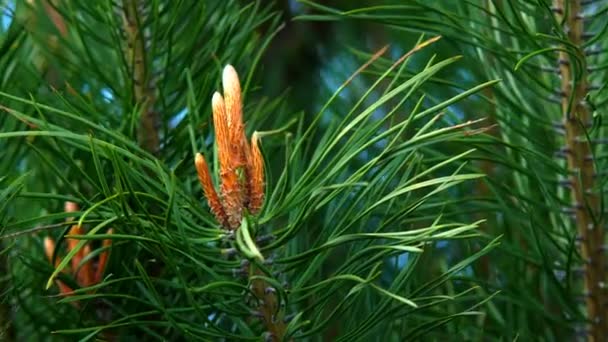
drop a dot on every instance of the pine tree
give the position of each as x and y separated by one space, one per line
447 186
544 161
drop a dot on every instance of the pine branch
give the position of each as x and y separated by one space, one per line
269 306
354 203
586 201
143 89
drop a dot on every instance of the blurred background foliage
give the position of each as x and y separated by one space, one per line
416 187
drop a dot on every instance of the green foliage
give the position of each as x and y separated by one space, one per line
379 222
538 266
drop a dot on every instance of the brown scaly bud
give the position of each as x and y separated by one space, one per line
204 177
255 172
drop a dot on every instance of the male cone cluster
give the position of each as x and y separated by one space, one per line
241 163
88 273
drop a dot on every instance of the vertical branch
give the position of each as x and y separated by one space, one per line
269 307
44 10
142 89
586 201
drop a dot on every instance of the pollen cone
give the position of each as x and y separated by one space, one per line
77 258
204 177
231 190
49 250
70 207
255 173
234 112
85 273
103 258
222 138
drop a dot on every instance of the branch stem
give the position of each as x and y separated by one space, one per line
143 92
585 202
